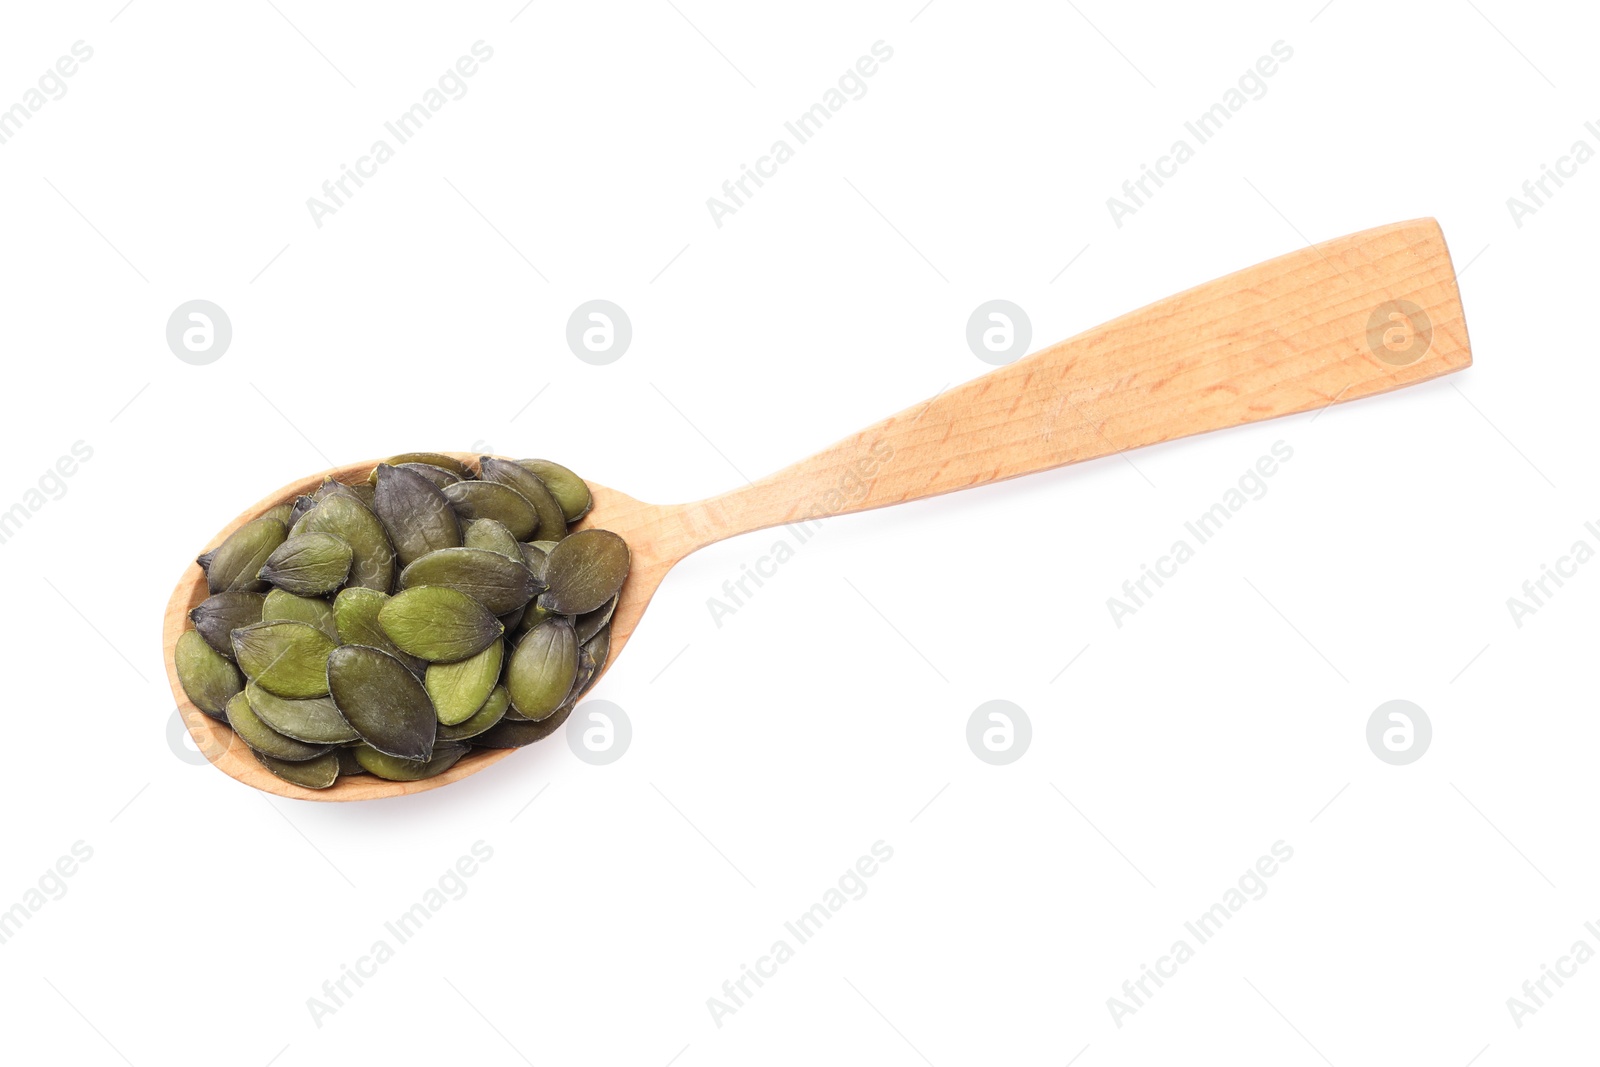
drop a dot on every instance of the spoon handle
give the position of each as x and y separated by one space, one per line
1345 319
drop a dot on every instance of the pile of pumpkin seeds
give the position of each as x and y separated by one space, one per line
388 627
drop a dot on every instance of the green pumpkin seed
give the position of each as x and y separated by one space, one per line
316 721
433 459
531 617
309 564
498 582
383 701
438 623
355 612
416 516
263 738
536 558
552 520
302 504
459 689
289 659
283 606
599 647
404 685
542 668
209 679
446 755
332 487
372 562
511 734
215 618
585 571
512 619
498 704
439 476
490 500
317 773
570 491
492 535
590 623
580 682
236 563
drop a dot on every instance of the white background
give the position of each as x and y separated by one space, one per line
829 712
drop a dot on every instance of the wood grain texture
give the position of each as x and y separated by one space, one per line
1286 336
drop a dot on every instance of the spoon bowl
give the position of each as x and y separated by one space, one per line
641 525
1331 323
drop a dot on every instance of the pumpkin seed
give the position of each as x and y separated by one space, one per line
302 504
439 476
289 659
316 721
332 487
283 606
599 646
570 491
459 689
209 679
263 738
493 535
542 668
498 704
383 701
445 755
491 500
355 612
511 734
416 515
372 563
236 562
433 459
318 773
535 557
215 618
309 564
585 571
438 623
533 616
552 520
496 581
590 623
465 616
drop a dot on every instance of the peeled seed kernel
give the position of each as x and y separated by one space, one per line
383 701
208 678
438 623
308 564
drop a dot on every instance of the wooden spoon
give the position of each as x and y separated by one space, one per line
1342 320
